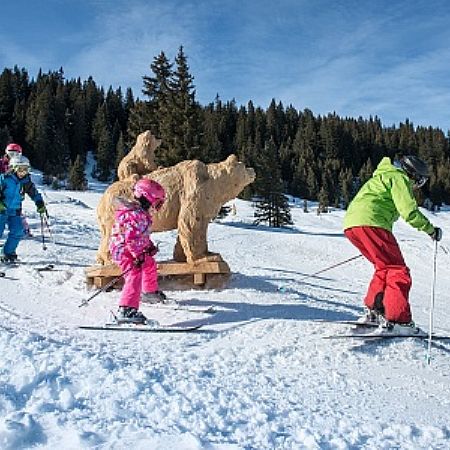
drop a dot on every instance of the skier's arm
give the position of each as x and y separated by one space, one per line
30 189
406 204
133 233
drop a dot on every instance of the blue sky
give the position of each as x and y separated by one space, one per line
357 58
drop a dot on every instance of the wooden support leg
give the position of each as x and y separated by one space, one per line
199 279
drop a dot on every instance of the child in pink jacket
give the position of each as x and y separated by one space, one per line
132 249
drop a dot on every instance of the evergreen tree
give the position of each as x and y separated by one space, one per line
120 154
7 99
272 206
211 147
5 138
105 153
139 120
158 89
185 111
77 179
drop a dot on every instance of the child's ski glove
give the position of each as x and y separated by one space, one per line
139 260
152 249
41 209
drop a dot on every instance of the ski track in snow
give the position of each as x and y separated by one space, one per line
258 375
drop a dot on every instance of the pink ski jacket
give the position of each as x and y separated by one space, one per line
4 164
130 234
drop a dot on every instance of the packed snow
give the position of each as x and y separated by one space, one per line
258 375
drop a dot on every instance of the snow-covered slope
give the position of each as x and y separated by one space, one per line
260 375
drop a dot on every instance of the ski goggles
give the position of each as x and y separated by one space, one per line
419 181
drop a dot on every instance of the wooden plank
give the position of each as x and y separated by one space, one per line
199 279
164 268
177 268
100 276
110 270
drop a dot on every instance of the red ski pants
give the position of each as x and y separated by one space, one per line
391 281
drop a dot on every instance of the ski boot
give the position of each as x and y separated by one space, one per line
9 258
153 298
370 316
127 314
403 329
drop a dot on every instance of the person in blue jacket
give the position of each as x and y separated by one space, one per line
13 187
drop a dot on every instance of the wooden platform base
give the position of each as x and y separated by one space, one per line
198 273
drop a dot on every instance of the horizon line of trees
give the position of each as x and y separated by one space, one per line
324 158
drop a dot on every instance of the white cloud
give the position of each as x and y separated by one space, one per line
124 41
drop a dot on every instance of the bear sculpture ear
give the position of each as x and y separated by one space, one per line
232 159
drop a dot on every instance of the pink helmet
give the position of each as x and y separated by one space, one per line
13 149
151 190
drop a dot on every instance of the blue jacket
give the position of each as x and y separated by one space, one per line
13 190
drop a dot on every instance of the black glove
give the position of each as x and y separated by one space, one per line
139 261
436 235
2 207
41 209
151 250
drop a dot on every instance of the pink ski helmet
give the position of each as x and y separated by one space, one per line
13 150
151 190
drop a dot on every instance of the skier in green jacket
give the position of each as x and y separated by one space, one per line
368 225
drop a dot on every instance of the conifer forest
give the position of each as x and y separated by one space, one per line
322 158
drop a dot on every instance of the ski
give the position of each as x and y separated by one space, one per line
16 264
141 328
350 322
44 268
180 307
373 336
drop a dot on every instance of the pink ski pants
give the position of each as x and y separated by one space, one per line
137 280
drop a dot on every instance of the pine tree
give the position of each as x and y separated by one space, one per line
120 154
272 205
139 120
5 137
211 147
158 89
7 99
105 150
77 179
185 111
323 201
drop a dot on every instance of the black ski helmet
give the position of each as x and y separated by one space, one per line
416 169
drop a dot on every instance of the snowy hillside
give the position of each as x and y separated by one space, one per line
260 375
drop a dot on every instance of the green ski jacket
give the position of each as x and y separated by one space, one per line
383 199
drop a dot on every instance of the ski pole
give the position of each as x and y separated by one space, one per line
433 288
104 288
44 247
330 267
47 225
